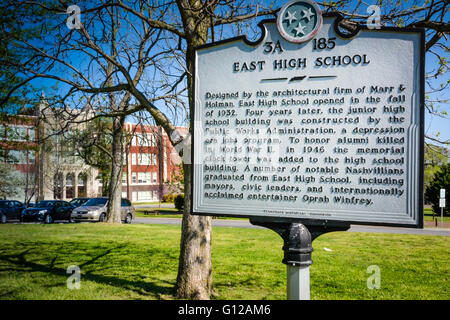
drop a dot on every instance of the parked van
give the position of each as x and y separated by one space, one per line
95 210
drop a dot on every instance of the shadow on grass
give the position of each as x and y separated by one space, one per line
140 287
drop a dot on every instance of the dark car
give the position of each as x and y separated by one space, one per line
10 209
48 211
78 202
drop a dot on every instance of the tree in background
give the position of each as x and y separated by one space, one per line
176 183
16 91
10 181
435 157
441 181
17 147
93 145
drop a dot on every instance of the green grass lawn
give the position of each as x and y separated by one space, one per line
140 261
428 215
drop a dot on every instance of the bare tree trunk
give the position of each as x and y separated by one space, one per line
115 183
105 186
194 280
26 188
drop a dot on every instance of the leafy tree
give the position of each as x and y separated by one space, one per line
435 157
441 181
176 183
10 181
179 202
16 90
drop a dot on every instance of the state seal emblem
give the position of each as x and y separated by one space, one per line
299 21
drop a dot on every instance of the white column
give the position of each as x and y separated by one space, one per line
75 185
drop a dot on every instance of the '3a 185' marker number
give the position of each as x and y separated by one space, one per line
323 43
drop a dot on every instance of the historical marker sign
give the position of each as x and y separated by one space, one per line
311 123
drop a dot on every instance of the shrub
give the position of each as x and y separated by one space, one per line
179 202
441 181
168 197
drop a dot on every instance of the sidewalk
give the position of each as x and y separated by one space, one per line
431 224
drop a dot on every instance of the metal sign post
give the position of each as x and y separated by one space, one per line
298 287
297 248
442 205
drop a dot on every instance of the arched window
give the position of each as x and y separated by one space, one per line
70 190
82 178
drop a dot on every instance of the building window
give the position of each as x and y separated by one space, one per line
145 195
140 140
82 181
17 156
144 177
124 178
133 159
144 139
31 157
70 190
154 177
31 133
19 133
153 144
144 159
134 178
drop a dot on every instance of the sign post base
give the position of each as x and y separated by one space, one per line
297 249
298 287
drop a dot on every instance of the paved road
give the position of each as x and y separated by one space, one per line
146 206
353 228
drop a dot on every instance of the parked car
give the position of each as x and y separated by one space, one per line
48 211
95 210
10 209
78 202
